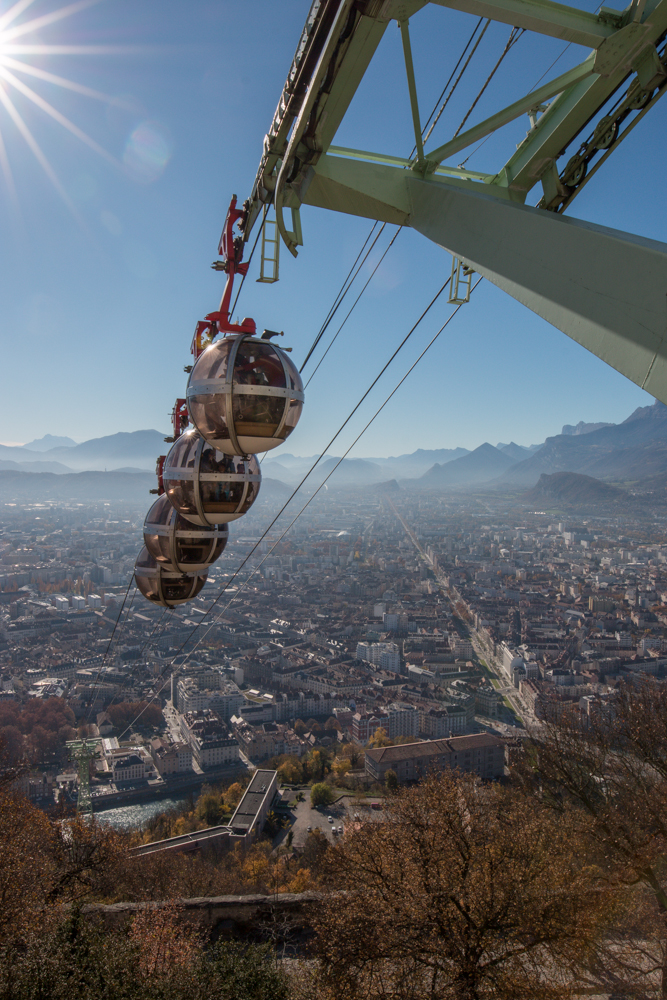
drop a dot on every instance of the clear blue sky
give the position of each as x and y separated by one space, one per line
104 265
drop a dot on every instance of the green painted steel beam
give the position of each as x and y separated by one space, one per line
554 19
536 97
603 288
412 89
401 161
359 51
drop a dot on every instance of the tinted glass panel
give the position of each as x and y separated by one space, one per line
257 416
258 364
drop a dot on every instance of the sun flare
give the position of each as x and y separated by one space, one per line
21 39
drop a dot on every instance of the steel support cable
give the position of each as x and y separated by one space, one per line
343 291
324 451
451 77
321 455
320 487
534 87
330 474
113 632
515 35
123 686
458 79
348 281
352 307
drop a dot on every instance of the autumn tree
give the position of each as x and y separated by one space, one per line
124 714
379 738
210 808
316 765
321 794
45 863
233 794
475 892
342 766
612 766
391 780
291 771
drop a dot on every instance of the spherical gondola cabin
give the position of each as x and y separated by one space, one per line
178 544
244 395
206 486
161 585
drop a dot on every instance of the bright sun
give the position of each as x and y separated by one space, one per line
16 48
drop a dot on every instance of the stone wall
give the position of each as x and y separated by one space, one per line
285 919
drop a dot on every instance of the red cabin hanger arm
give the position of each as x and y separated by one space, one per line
230 248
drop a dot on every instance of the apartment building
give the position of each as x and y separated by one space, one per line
481 754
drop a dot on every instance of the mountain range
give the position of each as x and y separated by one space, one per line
135 452
634 451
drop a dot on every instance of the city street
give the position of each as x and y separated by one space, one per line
506 690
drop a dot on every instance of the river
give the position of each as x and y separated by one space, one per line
132 817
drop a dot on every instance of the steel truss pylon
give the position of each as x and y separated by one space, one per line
83 751
603 288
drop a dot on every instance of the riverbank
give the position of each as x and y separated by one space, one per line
178 786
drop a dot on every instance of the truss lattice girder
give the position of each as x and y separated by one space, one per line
605 289
553 19
568 114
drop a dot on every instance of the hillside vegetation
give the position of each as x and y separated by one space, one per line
550 885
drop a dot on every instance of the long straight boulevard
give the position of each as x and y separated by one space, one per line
468 631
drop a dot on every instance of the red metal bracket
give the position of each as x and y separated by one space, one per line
180 417
159 466
230 248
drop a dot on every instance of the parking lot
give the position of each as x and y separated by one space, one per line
304 817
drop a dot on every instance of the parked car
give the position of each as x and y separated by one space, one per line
329 819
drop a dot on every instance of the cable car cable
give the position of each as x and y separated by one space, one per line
310 499
343 291
515 35
349 280
335 436
339 297
370 278
458 79
113 632
451 77
249 555
123 686
338 463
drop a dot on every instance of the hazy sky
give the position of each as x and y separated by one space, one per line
112 205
